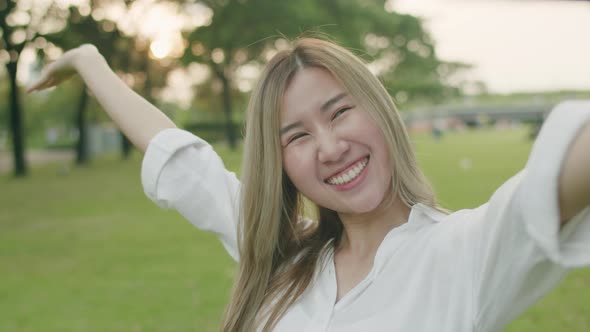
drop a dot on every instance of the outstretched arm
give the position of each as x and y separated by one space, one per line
137 118
574 179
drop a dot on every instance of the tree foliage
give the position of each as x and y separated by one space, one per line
236 34
244 31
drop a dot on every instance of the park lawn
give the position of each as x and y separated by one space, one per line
87 251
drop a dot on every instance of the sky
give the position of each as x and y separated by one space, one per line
515 45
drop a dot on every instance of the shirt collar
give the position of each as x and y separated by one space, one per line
432 215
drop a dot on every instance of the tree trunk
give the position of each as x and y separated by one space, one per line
82 155
125 146
16 123
227 111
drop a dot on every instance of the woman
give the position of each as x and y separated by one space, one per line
382 256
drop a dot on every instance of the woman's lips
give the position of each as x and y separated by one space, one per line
350 173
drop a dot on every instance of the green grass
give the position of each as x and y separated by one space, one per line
87 251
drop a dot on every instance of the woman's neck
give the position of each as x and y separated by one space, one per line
363 233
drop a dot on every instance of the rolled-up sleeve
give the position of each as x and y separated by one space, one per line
516 249
538 194
181 171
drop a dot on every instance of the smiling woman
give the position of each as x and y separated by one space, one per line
341 136
334 116
382 255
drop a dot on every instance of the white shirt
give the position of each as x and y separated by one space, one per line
472 270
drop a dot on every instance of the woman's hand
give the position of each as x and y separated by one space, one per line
62 69
139 120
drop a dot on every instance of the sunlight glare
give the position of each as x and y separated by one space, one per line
161 48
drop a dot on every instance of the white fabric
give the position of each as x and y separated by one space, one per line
182 172
472 270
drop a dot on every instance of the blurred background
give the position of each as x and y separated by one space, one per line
82 249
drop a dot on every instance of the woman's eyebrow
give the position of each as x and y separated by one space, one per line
290 126
332 101
325 106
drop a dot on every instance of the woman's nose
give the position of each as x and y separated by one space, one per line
331 147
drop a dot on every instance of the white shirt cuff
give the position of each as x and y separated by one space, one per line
569 247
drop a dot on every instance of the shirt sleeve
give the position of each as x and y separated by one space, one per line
181 171
517 250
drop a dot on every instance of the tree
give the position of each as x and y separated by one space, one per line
19 25
237 35
239 32
127 54
398 48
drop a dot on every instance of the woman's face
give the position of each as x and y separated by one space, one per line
332 150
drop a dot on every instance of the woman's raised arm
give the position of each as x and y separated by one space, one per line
574 181
136 117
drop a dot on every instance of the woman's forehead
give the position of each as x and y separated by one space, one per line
311 89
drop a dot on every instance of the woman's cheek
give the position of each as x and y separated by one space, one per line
297 161
290 163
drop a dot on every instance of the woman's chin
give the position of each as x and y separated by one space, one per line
360 209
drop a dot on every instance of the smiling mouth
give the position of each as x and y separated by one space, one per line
352 173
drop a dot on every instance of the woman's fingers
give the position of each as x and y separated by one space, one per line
60 70
47 84
35 86
50 77
42 83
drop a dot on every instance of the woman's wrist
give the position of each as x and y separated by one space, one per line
85 55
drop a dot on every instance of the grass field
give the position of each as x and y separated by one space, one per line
87 251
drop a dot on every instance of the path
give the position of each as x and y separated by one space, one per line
35 157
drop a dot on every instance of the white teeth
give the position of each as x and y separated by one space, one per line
350 175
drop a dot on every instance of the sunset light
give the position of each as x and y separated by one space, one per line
160 48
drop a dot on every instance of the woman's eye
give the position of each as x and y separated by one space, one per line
340 112
296 137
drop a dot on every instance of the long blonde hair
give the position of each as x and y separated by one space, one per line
278 255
